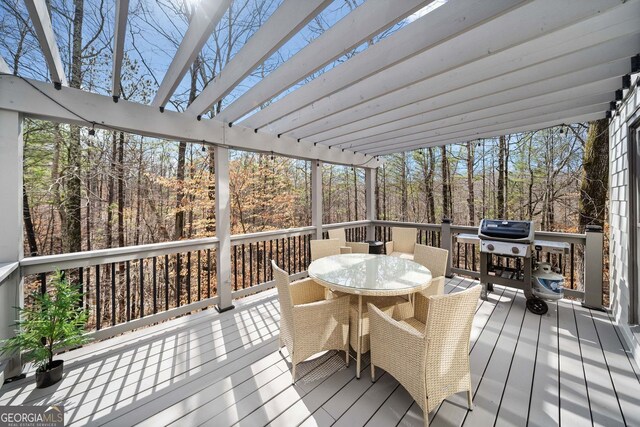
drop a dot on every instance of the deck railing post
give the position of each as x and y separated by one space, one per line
223 228
316 197
593 267
11 243
370 200
447 243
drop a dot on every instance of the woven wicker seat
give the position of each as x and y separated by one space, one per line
403 241
430 361
309 323
340 235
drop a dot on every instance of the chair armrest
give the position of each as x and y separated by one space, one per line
306 291
389 247
393 342
345 250
317 313
358 247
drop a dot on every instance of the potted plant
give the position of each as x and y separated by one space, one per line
54 321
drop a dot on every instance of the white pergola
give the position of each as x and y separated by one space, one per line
468 69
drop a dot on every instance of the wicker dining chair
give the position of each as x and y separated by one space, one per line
431 361
403 241
309 323
435 259
327 247
340 235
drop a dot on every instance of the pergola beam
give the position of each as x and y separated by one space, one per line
205 17
457 104
122 12
523 24
454 17
563 107
530 124
364 22
283 24
44 31
40 100
544 57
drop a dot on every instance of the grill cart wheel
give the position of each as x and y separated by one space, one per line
537 306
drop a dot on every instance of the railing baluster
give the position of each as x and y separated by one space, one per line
199 275
113 294
235 268
178 291
128 289
572 265
141 262
81 278
243 266
264 261
208 273
250 264
166 282
98 314
189 277
155 284
43 283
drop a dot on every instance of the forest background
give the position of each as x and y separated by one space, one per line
114 189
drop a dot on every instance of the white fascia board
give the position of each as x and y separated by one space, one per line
510 29
488 95
566 116
44 31
365 21
4 67
41 100
493 133
205 17
604 88
119 34
283 24
454 17
601 100
609 30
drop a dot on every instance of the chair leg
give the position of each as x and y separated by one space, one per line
346 356
293 373
426 419
373 373
470 400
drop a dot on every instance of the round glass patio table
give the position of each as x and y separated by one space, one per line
369 275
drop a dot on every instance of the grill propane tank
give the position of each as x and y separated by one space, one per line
545 283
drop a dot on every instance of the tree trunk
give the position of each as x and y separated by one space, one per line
121 190
595 175
28 224
111 190
446 185
471 196
431 206
403 187
501 175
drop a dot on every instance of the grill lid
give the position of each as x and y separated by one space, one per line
506 230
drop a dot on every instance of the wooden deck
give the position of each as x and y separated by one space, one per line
568 367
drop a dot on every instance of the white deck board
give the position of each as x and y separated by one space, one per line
225 369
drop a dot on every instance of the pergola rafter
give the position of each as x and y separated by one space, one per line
285 22
364 22
543 57
205 17
122 12
41 20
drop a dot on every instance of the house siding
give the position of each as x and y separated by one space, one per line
619 214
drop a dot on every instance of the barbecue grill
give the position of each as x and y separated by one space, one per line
513 243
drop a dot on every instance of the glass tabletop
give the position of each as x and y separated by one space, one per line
370 274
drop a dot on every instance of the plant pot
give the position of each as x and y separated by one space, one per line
51 375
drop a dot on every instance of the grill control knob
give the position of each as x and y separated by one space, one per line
490 247
515 250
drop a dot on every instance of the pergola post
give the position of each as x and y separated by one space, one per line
316 197
370 200
11 243
593 267
446 242
223 228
